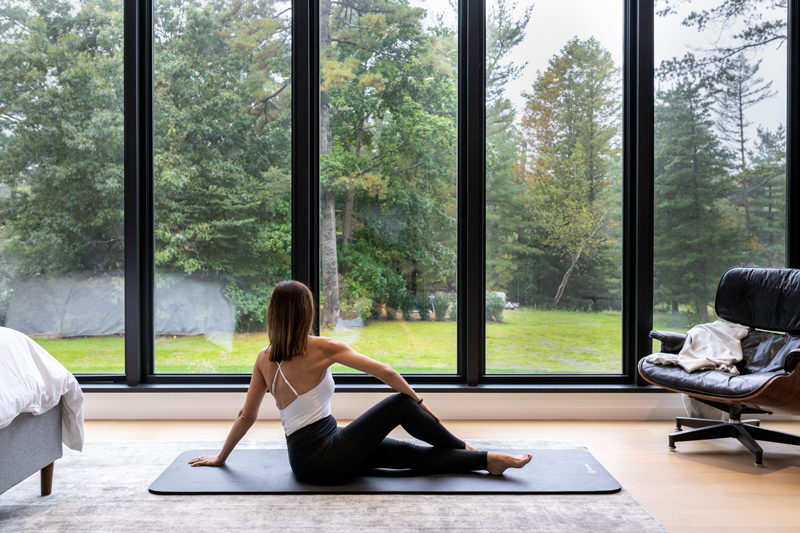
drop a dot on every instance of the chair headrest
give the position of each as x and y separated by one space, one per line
762 298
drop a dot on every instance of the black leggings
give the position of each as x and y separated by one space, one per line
324 453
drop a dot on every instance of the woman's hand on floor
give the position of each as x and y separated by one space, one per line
206 460
427 410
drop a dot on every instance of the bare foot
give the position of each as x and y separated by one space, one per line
471 448
497 463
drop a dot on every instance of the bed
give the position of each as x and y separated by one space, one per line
41 407
30 444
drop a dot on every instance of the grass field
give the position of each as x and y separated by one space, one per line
530 341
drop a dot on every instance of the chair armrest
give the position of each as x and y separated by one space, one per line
792 358
671 342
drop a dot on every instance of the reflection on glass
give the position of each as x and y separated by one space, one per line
720 151
61 179
222 178
553 187
388 106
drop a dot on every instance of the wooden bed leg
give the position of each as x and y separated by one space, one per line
47 479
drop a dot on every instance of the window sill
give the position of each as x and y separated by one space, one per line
350 388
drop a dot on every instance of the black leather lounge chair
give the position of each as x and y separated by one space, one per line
767 301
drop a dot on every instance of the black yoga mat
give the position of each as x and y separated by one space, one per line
268 472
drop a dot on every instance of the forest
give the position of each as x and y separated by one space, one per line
388 123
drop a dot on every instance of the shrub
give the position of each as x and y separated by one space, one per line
407 303
364 308
251 306
454 308
394 303
495 304
424 307
358 307
441 304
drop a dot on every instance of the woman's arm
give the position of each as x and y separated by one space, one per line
344 355
244 421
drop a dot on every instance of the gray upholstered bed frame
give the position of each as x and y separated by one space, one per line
30 444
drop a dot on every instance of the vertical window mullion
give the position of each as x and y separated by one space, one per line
471 189
792 137
305 146
139 236
638 102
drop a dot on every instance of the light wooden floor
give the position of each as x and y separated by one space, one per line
705 487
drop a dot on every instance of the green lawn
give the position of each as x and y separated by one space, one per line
531 341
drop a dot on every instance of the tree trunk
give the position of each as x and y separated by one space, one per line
702 308
675 307
746 196
414 278
591 152
347 220
330 259
565 279
747 225
325 133
330 270
574 260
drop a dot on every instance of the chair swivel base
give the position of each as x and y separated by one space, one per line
745 431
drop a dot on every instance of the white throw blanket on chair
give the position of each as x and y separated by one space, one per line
715 346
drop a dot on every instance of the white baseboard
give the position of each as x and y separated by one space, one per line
449 406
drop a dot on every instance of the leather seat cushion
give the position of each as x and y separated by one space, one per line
708 382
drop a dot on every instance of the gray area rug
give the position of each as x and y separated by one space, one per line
105 489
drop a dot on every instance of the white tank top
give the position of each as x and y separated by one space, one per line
309 407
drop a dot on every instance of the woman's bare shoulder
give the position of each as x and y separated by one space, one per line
265 351
325 345
263 356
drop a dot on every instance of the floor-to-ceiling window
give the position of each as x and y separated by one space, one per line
222 130
554 187
720 150
388 180
208 203
61 179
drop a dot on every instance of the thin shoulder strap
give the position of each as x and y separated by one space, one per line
284 379
275 378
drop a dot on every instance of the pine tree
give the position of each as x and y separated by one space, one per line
769 205
571 128
759 24
739 89
510 225
694 240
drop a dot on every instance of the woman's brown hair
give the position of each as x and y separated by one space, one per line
290 317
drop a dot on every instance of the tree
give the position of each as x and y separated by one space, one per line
505 30
387 119
61 143
694 240
571 130
510 226
769 204
739 89
741 29
222 147
756 33
222 152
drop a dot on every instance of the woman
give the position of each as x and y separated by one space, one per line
296 369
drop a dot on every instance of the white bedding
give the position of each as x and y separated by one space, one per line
32 381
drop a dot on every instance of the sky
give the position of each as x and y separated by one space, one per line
554 22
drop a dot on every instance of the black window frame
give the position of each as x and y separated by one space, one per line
638 201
